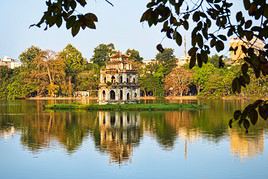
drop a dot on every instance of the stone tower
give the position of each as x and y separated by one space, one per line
118 81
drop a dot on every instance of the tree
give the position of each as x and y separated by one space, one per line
167 59
208 15
29 54
202 75
151 79
102 53
215 60
134 55
49 72
178 81
74 63
88 79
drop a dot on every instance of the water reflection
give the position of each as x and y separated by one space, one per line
246 146
118 133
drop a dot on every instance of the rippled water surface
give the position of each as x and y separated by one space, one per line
80 144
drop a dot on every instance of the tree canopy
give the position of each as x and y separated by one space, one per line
102 53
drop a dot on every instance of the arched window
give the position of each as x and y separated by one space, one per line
103 95
134 80
127 80
112 95
135 95
121 94
104 79
121 79
128 96
113 79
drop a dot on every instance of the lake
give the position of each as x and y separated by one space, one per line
43 144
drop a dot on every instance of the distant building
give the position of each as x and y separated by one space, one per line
181 61
81 94
237 43
9 62
118 81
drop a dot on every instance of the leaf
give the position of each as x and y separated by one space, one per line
230 123
59 21
244 68
248 24
192 61
91 17
253 116
239 16
70 22
219 46
196 16
75 28
246 78
185 25
222 37
178 38
237 114
246 4
263 111
199 40
236 85
160 48
257 103
199 60
246 124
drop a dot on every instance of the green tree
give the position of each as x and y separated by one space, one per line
74 63
152 79
29 54
134 55
167 59
214 59
202 75
88 79
102 53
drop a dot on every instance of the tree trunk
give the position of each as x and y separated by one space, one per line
70 90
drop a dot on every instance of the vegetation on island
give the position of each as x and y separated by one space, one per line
125 107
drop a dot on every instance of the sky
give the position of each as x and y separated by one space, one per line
119 25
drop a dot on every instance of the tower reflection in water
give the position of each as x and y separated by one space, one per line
119 133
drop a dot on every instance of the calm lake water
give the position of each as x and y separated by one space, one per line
42 144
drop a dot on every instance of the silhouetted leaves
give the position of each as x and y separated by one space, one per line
237 114
64 10
250 113
253 116
160 48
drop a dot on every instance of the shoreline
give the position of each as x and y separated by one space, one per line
155 98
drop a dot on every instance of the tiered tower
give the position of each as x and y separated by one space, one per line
118 81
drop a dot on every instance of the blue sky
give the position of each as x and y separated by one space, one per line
119 25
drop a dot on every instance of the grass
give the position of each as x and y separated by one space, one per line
125 107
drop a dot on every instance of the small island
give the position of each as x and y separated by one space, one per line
119 90
125 107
